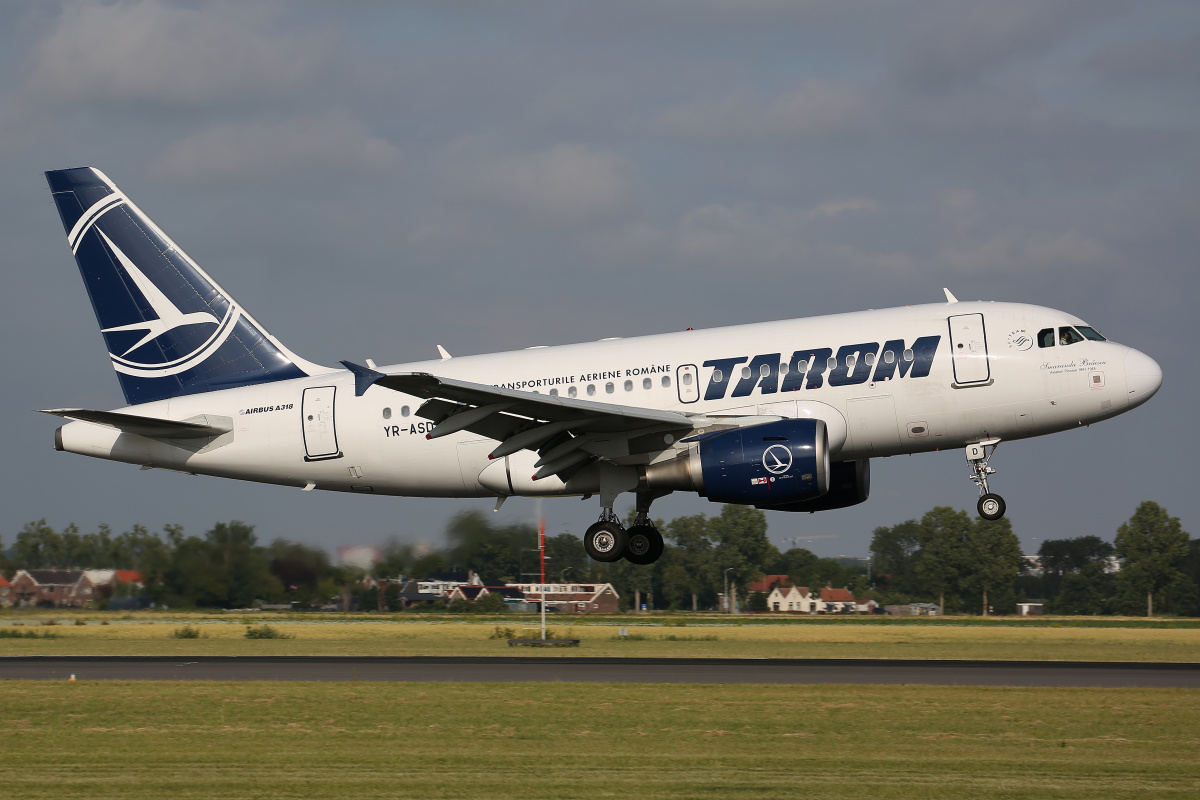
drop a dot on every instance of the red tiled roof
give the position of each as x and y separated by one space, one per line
128 576
4 581
767 582
836 595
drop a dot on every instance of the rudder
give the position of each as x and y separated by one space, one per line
169 328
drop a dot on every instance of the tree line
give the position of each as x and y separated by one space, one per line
963 564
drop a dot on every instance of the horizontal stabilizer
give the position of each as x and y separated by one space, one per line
202 427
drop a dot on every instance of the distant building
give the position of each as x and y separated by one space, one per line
105 581
54 588
6 593
802 600
1029 609
768 582
913 609
837 601
571 598
442 583
796 599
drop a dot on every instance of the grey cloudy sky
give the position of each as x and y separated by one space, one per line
372 179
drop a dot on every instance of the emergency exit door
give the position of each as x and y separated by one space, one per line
968 343
320 435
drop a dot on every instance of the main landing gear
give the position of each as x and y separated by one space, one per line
607 540
990 506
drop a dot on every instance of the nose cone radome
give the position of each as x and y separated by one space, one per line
1143 376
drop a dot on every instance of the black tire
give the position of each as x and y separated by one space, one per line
606 542
645 545
991 506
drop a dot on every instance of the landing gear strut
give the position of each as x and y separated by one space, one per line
645 542
990 506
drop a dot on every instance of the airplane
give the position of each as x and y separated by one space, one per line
783 415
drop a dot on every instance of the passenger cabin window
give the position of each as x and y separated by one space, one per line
1068 335
1046 337
1090 333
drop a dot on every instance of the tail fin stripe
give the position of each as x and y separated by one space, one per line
90 217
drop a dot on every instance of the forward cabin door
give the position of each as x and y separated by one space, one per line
320 435
968 343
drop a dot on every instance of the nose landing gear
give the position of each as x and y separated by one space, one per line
990 506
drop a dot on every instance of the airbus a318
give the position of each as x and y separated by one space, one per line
779 415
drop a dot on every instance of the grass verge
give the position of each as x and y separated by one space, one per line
330 740
302 636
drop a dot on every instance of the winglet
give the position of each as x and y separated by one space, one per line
364 377
950 298
443 352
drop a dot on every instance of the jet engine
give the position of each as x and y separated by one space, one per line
849 485
767 465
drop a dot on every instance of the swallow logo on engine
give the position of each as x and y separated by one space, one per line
777 459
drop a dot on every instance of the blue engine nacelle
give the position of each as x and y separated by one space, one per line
772 464
849 485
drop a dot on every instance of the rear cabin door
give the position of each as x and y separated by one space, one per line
320 435
968 343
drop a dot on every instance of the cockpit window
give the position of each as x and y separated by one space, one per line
1090 333
1046 337
1067 335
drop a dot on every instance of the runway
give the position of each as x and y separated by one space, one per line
607 670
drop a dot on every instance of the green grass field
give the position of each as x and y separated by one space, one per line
456 636
377 740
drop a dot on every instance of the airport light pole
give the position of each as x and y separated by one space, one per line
728 605
542 555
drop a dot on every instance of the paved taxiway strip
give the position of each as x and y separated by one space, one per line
614 670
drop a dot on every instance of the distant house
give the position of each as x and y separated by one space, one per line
572 598
54 588
471 593
105 581
412 595
837 601
866 608
1029 609
442 583
6 593
795 599
768 582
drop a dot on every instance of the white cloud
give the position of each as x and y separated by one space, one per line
263 148
815 107
718 238
1014 251
147 50
567 184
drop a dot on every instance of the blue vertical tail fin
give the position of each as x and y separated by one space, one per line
169 328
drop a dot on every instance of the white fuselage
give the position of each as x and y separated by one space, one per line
999 384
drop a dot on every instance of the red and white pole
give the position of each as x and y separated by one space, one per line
542 557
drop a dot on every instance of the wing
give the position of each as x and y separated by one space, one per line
194 428
567 433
